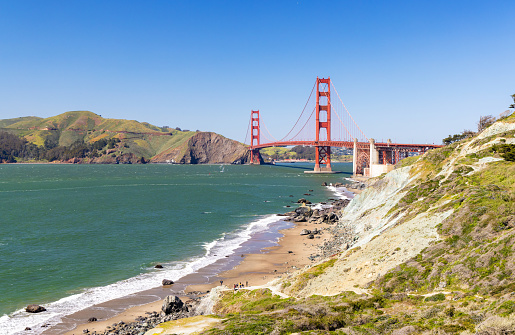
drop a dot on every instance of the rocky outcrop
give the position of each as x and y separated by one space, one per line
34 309
205 148
127 158
172 304
167 282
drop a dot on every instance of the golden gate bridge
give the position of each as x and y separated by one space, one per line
325 122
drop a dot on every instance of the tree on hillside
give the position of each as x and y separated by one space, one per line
52 140
485 122
458 137
513 105
304 152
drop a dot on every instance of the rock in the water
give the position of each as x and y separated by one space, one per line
158 266
28 328
324 183
171 304
34 308
305 232
167 282
92 319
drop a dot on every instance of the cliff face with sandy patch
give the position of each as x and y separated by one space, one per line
205 148
422 227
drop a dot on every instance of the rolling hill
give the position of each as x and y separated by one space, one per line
122 141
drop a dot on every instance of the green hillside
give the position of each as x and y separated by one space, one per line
70 128
431 251
7 122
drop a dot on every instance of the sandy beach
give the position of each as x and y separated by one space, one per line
253 269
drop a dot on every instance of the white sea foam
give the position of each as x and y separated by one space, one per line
340 192
225 245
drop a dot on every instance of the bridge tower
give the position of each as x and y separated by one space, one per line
255 156
323 121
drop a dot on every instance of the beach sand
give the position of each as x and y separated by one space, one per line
256 269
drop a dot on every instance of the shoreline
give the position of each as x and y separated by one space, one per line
256 269
291 252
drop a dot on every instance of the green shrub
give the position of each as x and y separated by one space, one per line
436 297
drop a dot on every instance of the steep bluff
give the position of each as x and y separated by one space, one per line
453 201
426 249
205 148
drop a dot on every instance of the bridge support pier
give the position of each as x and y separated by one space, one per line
255 157
323 156
355 158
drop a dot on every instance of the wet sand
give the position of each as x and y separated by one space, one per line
255 269
255 264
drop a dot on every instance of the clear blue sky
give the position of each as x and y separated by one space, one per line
413 71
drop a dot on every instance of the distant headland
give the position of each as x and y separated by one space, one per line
83 137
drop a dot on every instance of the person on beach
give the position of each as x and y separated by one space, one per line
221 282
247 283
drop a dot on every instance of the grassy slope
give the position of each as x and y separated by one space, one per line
473 263
7 122
137 138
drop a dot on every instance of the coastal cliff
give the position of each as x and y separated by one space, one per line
205 148
432 253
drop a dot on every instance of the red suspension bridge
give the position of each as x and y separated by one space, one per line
325 122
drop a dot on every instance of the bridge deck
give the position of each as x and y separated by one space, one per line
345 144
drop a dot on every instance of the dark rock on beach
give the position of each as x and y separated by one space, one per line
304 210
305 232
172 304
167 282
158 266
34 308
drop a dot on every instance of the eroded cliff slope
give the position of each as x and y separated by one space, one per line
205 148
432 253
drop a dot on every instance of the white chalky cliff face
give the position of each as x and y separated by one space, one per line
386 235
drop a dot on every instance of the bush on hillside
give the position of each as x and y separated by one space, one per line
506 151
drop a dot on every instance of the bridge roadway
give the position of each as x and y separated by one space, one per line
345 144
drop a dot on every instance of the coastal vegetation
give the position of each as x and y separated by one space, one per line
302 153
85 137
452 276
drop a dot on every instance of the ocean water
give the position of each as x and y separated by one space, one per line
72 236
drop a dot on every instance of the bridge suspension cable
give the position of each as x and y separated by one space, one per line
248 129
309 98
275 140
309 118
347 113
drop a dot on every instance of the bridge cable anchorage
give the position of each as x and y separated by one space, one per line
348 112
248 129
309 98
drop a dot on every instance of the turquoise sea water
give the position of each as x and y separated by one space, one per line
96 231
